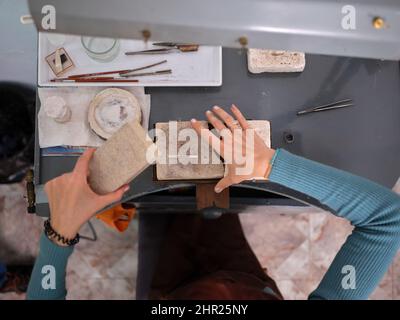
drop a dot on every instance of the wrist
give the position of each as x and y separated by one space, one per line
61 238
65 229
265 164
56 241
65 232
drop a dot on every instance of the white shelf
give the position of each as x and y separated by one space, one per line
191 69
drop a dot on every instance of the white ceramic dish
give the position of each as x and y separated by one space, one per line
191 69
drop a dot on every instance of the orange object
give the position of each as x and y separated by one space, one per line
117 218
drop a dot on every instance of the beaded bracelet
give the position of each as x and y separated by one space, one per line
51 233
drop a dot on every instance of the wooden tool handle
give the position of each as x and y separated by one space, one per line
188 47
94 78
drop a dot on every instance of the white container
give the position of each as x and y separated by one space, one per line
190 69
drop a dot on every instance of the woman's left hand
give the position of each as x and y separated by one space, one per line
245 154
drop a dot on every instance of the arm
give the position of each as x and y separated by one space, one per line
72 203
371 208
50 254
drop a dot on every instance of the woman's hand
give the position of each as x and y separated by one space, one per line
245 153
72 201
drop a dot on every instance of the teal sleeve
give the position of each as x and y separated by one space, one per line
373 210
48 276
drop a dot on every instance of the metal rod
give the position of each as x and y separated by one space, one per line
91 80
145 67
86 75
155 73
150 51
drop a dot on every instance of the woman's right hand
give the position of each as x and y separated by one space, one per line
72 202
245 154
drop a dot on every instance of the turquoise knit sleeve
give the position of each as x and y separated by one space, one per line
373 210
48 275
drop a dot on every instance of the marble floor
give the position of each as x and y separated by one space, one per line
295 244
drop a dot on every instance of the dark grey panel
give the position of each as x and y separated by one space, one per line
364 139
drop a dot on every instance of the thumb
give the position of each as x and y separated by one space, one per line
114 196
223 184
82 165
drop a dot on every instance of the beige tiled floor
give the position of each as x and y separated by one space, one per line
298 249
105 269
296 245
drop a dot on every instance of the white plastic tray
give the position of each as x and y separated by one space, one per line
191 69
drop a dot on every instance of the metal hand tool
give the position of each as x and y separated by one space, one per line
171 47
330 106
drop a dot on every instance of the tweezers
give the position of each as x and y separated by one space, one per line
330 106
170 47
184 47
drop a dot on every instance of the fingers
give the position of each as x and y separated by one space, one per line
82 165
114 196
226 117
217 124
239 116
223 184
208 136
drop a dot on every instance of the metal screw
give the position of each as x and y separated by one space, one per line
243 41
146 34
378 23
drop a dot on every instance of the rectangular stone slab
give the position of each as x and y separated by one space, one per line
262 60
263 129
180 171
201 171
120 159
